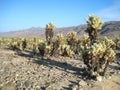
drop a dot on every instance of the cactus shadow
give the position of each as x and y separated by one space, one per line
64 66
71 85
24 54
114 67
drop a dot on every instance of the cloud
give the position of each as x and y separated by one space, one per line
110 13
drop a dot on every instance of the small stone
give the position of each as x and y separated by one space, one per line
109 77
82 83
99 78
118 72
37 87
18 83
75 87
27 83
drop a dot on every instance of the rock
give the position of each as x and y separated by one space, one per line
82 83
27 83
99 78
109 77
18 83
118 72
38 87
75 87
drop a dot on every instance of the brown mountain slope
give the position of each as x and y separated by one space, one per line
111 29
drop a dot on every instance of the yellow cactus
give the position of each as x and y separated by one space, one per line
94 21
50 26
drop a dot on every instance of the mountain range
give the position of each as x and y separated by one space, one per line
111 29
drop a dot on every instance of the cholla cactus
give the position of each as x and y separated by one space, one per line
57 43
24 44
66 51
84 40
50 26
13 44
117 43
72 41
41 48
98 54
71 38
47 49
107 41
97 58
59 38
94 24
35 46
49 32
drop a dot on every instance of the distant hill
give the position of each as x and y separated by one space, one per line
111 29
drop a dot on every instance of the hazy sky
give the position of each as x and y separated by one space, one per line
23 14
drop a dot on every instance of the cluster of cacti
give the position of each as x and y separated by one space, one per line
96 57
49 32
98 53
17 43
13 44
94 24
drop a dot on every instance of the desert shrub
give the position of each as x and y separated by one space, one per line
98 54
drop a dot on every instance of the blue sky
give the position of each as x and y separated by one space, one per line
23 14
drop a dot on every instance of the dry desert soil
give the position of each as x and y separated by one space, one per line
22 71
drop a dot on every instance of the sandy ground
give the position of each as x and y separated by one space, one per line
21 71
